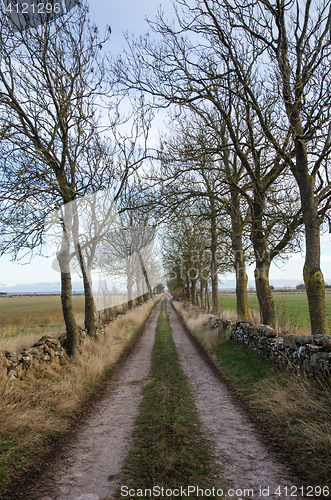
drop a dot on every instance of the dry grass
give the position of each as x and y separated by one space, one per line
300 410
22 341
195 314
198 323
11 340
25 319
38 406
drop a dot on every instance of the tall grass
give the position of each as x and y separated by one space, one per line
39 406
24 319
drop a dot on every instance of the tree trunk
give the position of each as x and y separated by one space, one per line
188 295
194 291
239 260
90 323
149 292
293 99
213 248
241 289
263 292
140 298
129 288
66 296
262 258
312 274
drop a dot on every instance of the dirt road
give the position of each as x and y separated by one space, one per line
245 461
89 466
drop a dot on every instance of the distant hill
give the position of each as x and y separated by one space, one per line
225 284
43 287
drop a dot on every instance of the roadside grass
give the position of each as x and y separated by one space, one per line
40 406
169 449
291 309
295 412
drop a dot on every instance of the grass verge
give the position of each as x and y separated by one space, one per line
36 409
169 449
295 412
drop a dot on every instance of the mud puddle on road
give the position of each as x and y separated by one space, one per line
91 463
246 463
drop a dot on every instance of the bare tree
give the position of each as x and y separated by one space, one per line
50 82
197 159
241 180
274 57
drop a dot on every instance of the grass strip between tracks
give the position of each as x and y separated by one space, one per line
169 449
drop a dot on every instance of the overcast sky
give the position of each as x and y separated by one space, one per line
129 16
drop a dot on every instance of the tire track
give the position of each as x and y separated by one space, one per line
90 465
245 461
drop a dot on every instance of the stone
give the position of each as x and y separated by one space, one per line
11 355
302 340
267 331
327 345
315 358
312 348
319 339
42 340
26 359
53 343
292 346
34 351
9 363
12 375
288 339
63 340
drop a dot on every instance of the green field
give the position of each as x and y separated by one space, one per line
291 308
26 312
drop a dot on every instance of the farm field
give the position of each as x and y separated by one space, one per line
291 308
25 318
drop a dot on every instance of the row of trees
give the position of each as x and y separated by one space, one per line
242 175
254 78
240 221
59 147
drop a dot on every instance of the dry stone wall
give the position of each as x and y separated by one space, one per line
299 353
47 350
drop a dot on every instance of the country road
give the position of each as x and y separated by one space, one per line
89 467
245 461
